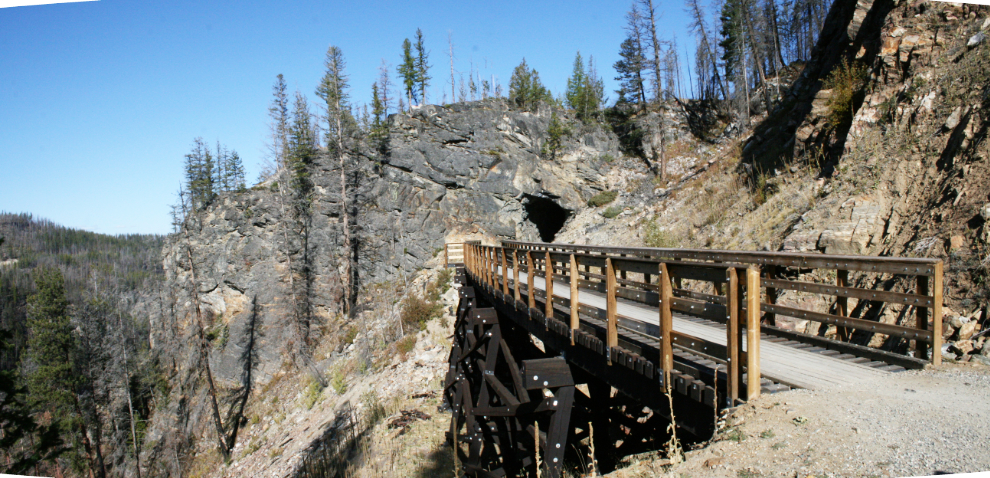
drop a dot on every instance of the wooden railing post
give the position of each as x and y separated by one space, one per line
770 317
732 339
492 280
505 274
575 319
515 276
446 256
612 329
922 350
488 265
548 276
753 332
666 325
921 322
530 274
842 303
937 316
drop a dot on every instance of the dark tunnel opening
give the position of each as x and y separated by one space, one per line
548 216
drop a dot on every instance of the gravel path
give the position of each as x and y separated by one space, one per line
907 424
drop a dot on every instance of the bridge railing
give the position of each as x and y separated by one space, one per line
779 271
453 252
510 272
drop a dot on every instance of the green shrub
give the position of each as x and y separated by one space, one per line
338 381
373 407
350 334
405 345
762 189
312 393
654 236
845 81
608 158
556 131
417 311
612 211
603 198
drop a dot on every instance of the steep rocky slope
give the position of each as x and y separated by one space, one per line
906 171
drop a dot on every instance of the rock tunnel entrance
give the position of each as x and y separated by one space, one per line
548 216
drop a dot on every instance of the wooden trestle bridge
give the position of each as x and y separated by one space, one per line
684 333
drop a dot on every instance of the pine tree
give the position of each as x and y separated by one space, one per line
525 90
576 85
278 113
333 91
422 67
25 442
301 145
585 91
385 87
407 71
378 135
200 175
52 384
630 67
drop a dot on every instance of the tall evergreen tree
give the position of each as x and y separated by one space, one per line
200 172
53 384
576 93
278 130
378 135
422 67
301 145
333 91
584 93
385 88
23 441
630 67
525 89
407 71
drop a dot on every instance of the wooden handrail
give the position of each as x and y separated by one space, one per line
926 301
614 282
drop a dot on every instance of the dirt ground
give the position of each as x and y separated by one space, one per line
915 423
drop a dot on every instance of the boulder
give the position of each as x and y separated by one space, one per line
962 347
957 321
967 330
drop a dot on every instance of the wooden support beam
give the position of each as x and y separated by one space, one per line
611 312
770 318
732 338
575 320
842 303
921 319
515 276
937 316
753 332
666 324
530 273
505 273
548 275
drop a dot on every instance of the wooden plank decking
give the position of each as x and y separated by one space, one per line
780 363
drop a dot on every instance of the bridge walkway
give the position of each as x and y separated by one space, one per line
784 364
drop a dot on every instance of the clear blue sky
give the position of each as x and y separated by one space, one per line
99 101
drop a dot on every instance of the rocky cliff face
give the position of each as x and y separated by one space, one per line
267 278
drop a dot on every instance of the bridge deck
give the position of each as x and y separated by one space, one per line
780 363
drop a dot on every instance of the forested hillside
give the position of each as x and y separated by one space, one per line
78 377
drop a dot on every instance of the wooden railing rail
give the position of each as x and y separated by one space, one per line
925 301
501 270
